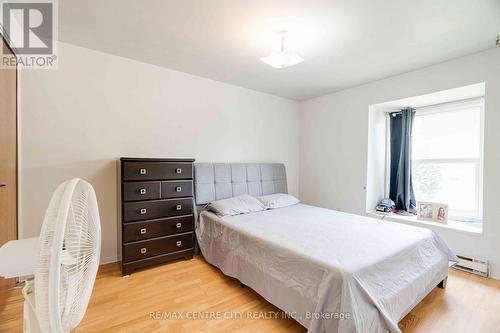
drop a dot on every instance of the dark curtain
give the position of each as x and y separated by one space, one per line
401 186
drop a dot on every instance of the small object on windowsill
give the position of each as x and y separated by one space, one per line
473 222
385 206
383 209
404 213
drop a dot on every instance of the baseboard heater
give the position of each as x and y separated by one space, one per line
472 265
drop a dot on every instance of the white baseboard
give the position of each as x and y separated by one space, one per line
108 260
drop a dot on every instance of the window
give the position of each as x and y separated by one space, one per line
447 157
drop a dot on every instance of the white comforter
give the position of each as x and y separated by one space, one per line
332 271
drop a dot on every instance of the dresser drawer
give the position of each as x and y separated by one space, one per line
146 210
148 248
156 170
172 189
141 191
134 231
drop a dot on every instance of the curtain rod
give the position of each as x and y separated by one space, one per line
398 111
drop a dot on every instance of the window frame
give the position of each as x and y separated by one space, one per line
476 216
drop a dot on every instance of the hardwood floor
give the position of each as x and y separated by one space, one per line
468 304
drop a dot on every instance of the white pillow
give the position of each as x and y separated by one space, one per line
241 204
278 200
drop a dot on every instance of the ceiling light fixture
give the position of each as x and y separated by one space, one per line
282 58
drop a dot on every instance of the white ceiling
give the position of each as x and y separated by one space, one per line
344 42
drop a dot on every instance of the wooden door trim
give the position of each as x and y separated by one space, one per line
12 231
6 41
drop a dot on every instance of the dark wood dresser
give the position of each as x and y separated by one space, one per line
157 220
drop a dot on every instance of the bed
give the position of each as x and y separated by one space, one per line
330 271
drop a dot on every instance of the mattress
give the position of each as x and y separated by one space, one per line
330 271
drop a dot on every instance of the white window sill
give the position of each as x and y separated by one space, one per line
473 228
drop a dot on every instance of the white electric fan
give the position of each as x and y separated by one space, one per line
69 249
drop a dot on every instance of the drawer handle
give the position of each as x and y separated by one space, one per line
178 225
178 207
143 191
142 171
143 231
178 189
143 211
179 243
178 170
143 250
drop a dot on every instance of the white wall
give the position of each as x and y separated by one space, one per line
78 120
334 143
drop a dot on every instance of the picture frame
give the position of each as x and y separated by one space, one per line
425 211
441 213
432 211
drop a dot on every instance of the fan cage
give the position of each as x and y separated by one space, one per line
69 257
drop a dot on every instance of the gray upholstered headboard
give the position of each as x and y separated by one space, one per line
214 181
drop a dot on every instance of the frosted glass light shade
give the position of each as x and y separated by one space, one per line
282 59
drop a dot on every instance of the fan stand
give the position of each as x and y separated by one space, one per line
30 322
